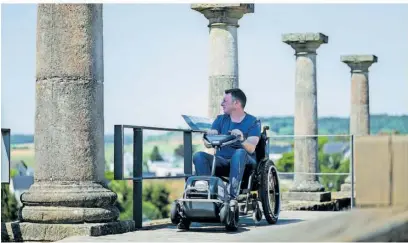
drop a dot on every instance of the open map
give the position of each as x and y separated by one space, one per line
198 123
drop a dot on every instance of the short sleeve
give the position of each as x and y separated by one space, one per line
216 125
255 129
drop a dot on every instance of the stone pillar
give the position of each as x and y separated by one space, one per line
360 102
68 196
223 71
305 123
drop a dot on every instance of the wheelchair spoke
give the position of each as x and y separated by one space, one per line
271 190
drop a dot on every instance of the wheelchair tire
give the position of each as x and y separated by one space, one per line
269 192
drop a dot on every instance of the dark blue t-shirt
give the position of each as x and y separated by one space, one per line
249 126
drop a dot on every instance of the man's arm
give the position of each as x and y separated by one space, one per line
213 131
250 144
254 134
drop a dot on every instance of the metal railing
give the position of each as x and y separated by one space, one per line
351 171
138 161
188 163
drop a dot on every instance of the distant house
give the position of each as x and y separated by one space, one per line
21 167
164 168
20 184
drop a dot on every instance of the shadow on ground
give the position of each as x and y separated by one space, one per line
245 225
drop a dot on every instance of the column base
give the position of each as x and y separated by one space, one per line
307 196
68 203
22 231
346 187
307 186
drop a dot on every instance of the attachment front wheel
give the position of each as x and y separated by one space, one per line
229 215
175 213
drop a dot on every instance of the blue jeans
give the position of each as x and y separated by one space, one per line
234 168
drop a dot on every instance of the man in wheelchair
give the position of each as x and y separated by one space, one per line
244 158
231 159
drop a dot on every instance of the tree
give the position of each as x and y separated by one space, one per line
158 195
155 199
155 155
286 163
9 207
179 151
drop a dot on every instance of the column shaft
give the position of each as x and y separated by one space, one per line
360 108
305 151
223 70
360 101
69 119
223 64
305 120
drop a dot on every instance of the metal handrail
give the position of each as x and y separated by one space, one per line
350 173
138 161
187 142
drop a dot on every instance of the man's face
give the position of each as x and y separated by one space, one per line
228 105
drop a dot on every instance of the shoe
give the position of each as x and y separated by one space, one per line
181 226
234 202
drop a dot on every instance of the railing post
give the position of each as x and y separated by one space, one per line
118 153
188 153
5 155
137 177
352 170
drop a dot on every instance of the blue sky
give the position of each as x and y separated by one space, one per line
156 60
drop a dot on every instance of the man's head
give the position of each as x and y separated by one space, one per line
234 100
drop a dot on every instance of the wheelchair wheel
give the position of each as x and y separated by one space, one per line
269 192
175 213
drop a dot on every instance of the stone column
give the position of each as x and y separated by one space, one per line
68 196
360 102
223 71
305 46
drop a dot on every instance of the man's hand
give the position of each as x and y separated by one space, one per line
237 132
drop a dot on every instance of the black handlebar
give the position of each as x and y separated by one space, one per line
220 140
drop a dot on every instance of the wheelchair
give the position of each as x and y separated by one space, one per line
206 198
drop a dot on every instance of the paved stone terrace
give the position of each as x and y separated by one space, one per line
215 232
381 224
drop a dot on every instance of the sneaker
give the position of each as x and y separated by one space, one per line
181 225
234 202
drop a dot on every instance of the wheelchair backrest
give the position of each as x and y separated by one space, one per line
262 148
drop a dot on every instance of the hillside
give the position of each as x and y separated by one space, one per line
284 126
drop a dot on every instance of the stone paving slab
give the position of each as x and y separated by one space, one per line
212 232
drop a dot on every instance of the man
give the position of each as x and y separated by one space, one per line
231 159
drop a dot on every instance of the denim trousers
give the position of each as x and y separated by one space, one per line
233 167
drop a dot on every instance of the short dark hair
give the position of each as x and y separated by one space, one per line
237 94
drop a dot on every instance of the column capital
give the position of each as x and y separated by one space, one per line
225 14
359 63
305 43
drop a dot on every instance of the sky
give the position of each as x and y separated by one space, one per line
156 61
